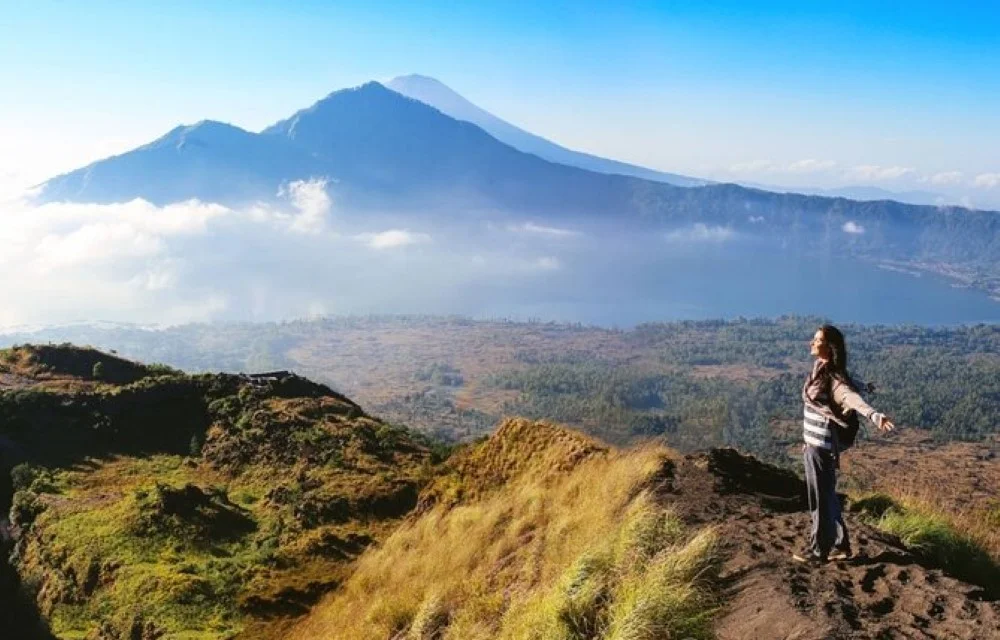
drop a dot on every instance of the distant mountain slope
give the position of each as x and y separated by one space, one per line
860 192
211 161
384 143
438 95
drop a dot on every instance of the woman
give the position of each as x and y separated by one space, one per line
829 396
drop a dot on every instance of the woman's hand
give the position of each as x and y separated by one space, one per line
883 422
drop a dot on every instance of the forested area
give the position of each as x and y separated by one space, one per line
943 380
694 384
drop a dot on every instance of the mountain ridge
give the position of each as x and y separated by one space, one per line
438 95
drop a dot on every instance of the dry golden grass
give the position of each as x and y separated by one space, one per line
584 552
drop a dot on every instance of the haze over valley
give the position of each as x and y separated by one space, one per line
372 202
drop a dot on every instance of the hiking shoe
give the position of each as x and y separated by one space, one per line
841 554
808 557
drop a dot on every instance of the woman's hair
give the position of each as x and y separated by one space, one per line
838 352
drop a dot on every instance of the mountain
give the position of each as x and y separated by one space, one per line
861 192
210 161
441 97
640 543
379 148
376 141
382 151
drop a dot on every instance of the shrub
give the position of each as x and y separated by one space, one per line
25 509
23 475
194 446
158 369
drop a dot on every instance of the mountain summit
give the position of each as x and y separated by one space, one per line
438 95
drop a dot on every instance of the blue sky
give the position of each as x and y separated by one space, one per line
900 95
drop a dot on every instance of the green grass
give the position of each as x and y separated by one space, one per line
934 538
187 585
202 548
285 484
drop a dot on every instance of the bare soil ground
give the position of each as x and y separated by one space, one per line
884 591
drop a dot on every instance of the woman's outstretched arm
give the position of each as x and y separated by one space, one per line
848 398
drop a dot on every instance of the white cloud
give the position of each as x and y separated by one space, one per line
200 262
393 238
753 166
811 166
987 180
875 173
853 227
755 219
60 235
531 227
134 261
97 242
548 263
700 233
944 178
312 201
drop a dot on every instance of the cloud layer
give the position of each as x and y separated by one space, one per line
190 261
393 238
197 261
699 234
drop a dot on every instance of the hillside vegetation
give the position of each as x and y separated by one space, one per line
190 506
536 533
150 504
539 532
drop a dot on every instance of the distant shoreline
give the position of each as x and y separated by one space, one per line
960 277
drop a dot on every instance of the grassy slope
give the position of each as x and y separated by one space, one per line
537 533
291 483
962 548
957 482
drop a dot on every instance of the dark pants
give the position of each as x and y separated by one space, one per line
828 528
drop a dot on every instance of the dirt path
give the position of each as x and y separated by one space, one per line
883 592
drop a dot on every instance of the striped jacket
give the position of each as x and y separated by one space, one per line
827 400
